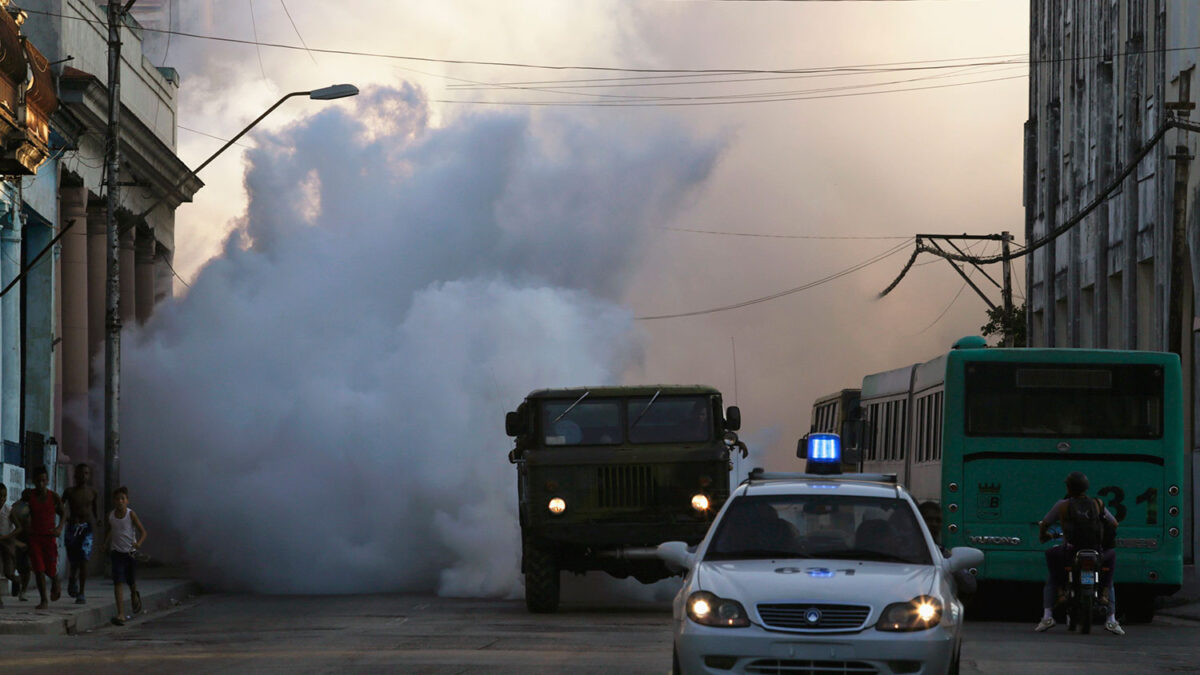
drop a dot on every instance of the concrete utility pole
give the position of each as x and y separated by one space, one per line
112 339
1179 229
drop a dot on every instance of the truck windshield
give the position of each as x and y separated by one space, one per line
1064 401
590 422
671 419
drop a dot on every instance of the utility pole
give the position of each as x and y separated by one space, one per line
1179 230
1006 290
112 324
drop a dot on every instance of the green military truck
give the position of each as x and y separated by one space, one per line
604 474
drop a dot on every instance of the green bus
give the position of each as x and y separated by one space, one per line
991 433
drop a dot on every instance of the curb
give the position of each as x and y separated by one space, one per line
84 619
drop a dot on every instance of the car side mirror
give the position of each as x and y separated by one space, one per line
677 555
733 418
513 424
964 557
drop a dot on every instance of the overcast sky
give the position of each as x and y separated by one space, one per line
540 214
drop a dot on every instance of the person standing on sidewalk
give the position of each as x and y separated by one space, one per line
8 539
124 535
20 522
81 518
45 526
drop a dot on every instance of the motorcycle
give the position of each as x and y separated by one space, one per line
1085 605
1083 601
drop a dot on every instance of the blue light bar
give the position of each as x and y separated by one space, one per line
824 448
824 454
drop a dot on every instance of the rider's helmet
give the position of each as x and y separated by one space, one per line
1077 483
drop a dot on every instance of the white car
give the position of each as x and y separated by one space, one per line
813 574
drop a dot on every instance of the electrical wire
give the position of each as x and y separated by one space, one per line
781 236
939 316
257 45
302 42
836 275
563 67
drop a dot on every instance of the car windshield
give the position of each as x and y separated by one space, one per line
824 526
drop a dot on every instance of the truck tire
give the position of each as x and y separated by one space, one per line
541 580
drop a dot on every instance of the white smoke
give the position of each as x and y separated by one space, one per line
322 411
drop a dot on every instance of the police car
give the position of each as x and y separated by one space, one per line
819 572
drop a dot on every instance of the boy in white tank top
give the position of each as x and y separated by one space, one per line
123 536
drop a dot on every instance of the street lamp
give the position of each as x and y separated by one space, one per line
112 374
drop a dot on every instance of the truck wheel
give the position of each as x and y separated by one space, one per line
541 580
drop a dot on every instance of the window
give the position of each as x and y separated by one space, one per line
582 422
670 419
1064 400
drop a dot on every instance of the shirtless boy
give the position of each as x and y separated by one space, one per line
80 500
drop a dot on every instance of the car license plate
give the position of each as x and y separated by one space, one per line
1089 578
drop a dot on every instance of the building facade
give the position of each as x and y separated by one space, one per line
52 331
1106 79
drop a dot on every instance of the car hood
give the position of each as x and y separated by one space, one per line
817 581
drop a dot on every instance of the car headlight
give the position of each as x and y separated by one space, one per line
920 613
700 501
557 505
707 609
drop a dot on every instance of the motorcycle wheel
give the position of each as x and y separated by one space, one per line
1086 600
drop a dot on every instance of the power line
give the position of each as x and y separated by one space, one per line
939 316
302 42
782 236
836 275
682 103
562 67
1071 222
257 46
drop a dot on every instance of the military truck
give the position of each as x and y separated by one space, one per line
604 474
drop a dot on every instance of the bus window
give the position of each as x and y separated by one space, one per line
1064 401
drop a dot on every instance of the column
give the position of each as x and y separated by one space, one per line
73 327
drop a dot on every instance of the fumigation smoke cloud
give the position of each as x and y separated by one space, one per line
322 411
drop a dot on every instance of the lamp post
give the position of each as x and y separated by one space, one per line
112 375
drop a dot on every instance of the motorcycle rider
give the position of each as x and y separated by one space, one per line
1075 537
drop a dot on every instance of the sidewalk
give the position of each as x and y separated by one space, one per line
67 618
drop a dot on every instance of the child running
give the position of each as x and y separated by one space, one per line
125 535
8 539
45 513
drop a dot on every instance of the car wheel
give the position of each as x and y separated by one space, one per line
541 580
954 662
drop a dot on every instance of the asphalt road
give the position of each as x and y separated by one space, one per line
426 634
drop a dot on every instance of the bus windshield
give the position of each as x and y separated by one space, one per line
1064 400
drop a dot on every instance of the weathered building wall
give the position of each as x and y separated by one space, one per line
1103 77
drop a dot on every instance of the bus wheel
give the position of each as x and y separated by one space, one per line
1139 608
541 580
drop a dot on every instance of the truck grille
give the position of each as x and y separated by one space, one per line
796 667
625 486
829 617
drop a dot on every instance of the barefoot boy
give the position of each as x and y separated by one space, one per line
81 518
124 535
45 525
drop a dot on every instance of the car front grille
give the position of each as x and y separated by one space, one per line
625 486
829 617
797 667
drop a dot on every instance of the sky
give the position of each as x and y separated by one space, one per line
367 285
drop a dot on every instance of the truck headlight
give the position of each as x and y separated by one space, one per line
700 501
920 613
557 505
707 609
